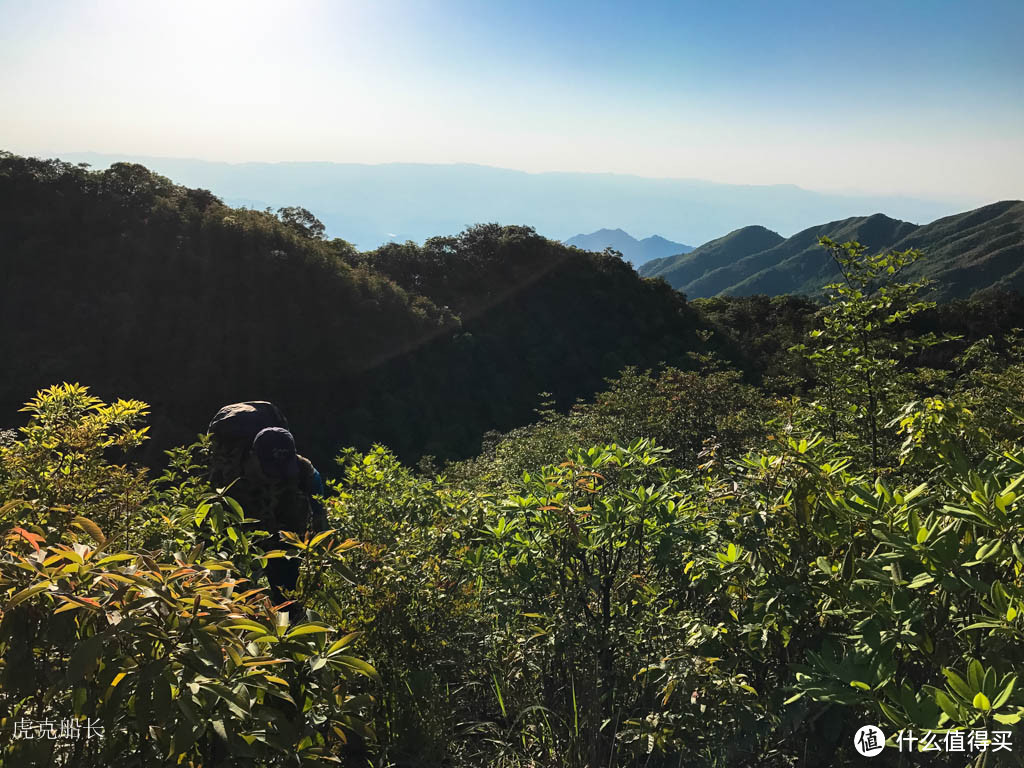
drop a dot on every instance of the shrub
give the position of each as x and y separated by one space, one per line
169 649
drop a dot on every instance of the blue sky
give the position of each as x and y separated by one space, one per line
919 98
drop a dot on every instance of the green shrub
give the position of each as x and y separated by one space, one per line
172 650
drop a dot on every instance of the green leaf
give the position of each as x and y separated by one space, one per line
91 528
358 665
201 512
893 715
915 493
337 645
946 705
988 685
999 597
85 657
981 702
26 593
307 629
320 537
162 699
185 735
921 580
1005 694
228 695
144 701
957 684
983 625
235 506
976 676
247 624
913 524
119 557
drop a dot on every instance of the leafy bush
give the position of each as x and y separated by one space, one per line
171 650
613 609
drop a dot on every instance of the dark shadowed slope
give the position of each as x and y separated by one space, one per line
131 284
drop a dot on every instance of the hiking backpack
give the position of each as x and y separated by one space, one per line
232 431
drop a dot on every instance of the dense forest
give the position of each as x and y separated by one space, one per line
126 281
575 519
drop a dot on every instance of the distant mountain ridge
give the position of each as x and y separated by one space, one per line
637 252
964 253
372 204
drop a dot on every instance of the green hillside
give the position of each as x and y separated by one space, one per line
966 253
124 280
684 268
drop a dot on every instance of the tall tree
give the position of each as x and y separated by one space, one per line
859 352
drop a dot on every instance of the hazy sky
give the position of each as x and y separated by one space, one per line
923 98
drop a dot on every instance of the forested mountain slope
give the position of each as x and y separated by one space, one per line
682 269
966 253
127 282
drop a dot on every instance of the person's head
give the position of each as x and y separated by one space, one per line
274 448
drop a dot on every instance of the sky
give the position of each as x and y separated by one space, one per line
922 98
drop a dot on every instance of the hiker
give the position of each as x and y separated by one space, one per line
274 484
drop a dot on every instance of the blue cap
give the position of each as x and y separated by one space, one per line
275 449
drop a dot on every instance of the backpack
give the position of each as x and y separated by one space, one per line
278 504
232 431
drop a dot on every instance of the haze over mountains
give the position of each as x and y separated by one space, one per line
965 253
371 204
637 252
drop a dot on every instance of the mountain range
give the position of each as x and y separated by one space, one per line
133 284
966 253
372 204
636 252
